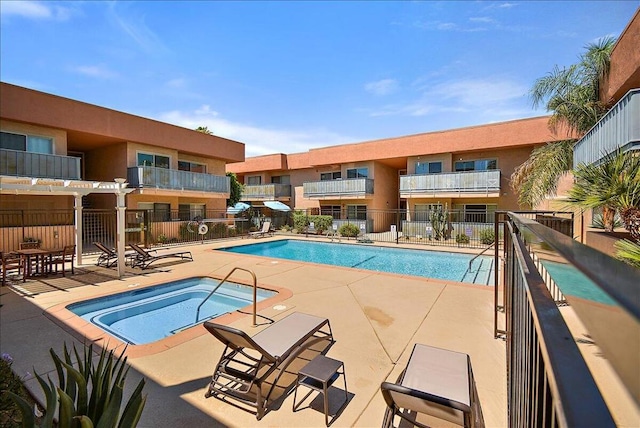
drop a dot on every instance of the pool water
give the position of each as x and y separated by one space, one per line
429 264
573 283
152 313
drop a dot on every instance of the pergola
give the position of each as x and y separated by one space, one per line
77 189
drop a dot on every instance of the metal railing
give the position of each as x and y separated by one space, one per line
268 192
39 165
619 128
549 382
255 292
476 182
343 187
162 178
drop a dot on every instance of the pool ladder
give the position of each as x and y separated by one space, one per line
255 292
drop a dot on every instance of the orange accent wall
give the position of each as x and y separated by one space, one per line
89 126
624 73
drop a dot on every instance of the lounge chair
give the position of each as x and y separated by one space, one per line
108 258
266 230
438 383
143 258
250 367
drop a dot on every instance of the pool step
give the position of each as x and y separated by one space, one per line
483 274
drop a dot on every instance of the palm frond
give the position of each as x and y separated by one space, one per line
537 178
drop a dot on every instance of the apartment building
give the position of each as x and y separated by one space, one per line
54 148
466 170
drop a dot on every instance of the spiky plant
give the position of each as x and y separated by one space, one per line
612 185
86 396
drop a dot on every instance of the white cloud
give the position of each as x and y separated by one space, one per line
382 87
496 98
258 141
177 83
483 19
99 71
34 10
136 28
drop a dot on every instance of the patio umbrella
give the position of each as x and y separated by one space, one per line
238 208
277 205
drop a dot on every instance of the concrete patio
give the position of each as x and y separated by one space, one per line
376 318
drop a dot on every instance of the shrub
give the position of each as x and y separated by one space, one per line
349 230
487 236
89 395
320 222
461 238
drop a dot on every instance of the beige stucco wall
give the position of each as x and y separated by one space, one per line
59 136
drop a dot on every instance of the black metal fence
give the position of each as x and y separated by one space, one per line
470 229
549 383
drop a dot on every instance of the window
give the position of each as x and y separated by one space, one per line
159 161
476 165
423 211
357 212
326 176
479 213
192 167
191 211
358 173
428 167
254 180
26 143
332 210
159 211
281 179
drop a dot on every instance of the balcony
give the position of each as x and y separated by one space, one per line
173 179
266 192
619 128
451 184
331 189
38 165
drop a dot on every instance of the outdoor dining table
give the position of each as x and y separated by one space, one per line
41 257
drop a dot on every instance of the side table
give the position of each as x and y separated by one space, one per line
318 375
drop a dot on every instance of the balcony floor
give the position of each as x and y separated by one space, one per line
376 318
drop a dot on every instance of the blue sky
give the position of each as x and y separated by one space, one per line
289 76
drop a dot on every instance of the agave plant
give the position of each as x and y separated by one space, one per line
628 252
86 396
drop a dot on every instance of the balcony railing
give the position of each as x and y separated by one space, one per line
38 165
172 179
266 192
619 128
477 182
549 381
351 187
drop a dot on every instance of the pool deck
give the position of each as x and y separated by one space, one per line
376 318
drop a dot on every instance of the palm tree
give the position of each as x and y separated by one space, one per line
613 185
572 95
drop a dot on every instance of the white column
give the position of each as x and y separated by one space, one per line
120 234
79 229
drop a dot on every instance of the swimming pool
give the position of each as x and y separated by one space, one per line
143 316
429 264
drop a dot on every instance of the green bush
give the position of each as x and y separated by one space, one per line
349 230
89 395
320 222
461 238
487 236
